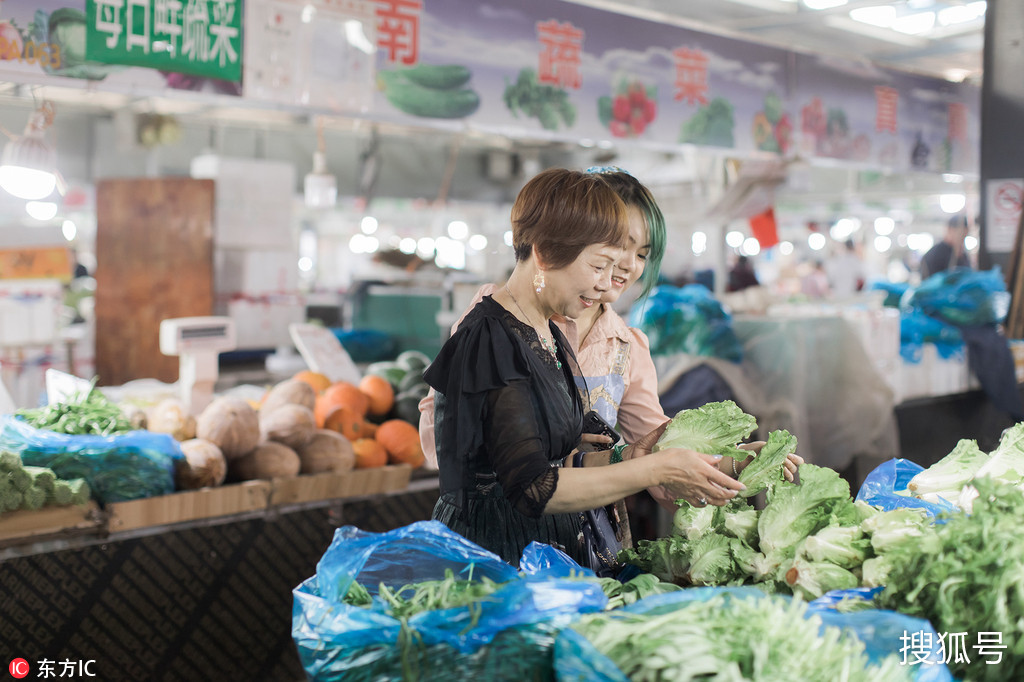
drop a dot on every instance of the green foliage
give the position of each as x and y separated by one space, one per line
712 125
713 429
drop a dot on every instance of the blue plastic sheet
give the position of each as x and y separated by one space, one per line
882 632
334 638
120 467
886 487
686 320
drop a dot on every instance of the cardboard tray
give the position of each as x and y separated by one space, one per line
355 483
188 505
27 526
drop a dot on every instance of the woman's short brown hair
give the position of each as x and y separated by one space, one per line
562 211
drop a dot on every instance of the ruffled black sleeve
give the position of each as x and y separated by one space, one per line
517 449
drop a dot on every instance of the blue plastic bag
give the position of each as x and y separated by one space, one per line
885 632
962 297
686 320
917 329
886 487
121 467
334 638
882 633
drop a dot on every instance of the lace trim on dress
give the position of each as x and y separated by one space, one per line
536 495
528 334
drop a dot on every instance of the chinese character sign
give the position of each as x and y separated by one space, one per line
691 75
398 30
561 46
197 37
887 102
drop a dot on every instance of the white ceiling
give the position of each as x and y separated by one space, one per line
950 49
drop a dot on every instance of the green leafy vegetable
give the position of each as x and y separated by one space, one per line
949 475
83 413
844 546
713 429
731 637
546 103
811 579
796 511
766 468
966 576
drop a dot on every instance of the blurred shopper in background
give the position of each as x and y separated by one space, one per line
950 252
742 275
845 272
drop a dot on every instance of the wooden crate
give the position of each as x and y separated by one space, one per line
355 483
27 526
188 505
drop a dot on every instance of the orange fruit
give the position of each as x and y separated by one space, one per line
346 395
318 381
380 393
402 442
349 424
369 453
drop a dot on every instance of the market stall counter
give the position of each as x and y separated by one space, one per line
168 589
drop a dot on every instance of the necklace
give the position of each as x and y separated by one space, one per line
548 344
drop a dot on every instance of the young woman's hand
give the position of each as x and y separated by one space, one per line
590 442
789 467
687 474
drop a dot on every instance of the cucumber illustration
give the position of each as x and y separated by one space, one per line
417 100
447 76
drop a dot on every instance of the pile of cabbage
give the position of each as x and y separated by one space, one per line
810 538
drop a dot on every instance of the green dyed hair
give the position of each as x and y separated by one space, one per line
634 193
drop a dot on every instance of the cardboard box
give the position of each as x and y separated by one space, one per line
188 505
355 483
28 526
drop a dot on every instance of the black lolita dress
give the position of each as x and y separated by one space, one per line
505 415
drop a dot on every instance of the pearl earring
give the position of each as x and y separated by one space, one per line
538 282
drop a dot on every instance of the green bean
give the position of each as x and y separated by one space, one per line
88 412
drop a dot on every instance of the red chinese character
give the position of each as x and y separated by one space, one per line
560 56
958 121
887 103
691 75
398 29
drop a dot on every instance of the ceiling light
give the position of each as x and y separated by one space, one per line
28 166
368 225
69 230
823 4
320 189
952 203
915 24
816 241
41 210
884 225
734 239
457 229
881 15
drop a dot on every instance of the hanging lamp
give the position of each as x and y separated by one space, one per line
28 165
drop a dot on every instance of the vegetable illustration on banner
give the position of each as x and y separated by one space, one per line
425 90
198 37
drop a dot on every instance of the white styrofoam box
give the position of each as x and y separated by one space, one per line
253 201
254 273
30 311
915 379
949 375
263 322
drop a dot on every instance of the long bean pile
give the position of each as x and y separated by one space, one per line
88 412
428 595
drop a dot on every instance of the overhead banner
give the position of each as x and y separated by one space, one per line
557 69
198 37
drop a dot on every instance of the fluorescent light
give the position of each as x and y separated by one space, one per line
884 225
41 210
457 229
880 15
952 203
356 38
952 177
823 4
368 225
915 24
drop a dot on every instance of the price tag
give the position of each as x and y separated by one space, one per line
323 352
60 386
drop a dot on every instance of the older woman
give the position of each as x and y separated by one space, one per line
507 415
